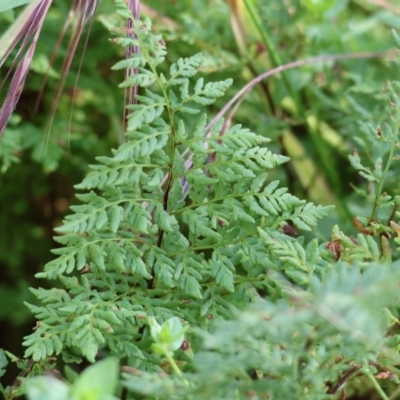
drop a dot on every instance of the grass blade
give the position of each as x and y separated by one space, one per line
31 25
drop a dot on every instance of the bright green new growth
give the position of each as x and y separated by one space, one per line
98 382
137 247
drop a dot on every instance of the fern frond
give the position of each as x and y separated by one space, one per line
140 244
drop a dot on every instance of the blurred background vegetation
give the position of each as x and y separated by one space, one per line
316 114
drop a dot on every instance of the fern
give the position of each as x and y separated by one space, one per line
376 161
289 345
153 237
378 164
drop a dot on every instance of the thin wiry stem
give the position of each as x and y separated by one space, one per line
294 64
53 55
83 10
30 30
24 27
239 97
27 28
247 88
393 143
375 384
89 11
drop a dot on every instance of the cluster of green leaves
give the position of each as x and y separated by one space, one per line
298 349
140 246
184 224
39 164
306 346
324 101
199 238
96 382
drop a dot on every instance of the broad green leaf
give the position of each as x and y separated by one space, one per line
9 4
46 388
98 381
3 362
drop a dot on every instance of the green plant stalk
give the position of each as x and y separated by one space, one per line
174 366
172 362
375 384
387 166
173 139
274 54
240 95
319 144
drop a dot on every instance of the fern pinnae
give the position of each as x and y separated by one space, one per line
144 245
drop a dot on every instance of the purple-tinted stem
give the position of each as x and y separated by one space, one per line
26 31
246 89
130 94
31 28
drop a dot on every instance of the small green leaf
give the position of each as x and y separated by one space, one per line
172 333
97 380
167 337
3 362
46 388
155 328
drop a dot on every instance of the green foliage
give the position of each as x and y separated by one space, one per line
177 260
10 4
290 345
3 362
98 382
9 145
36 178
141 246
